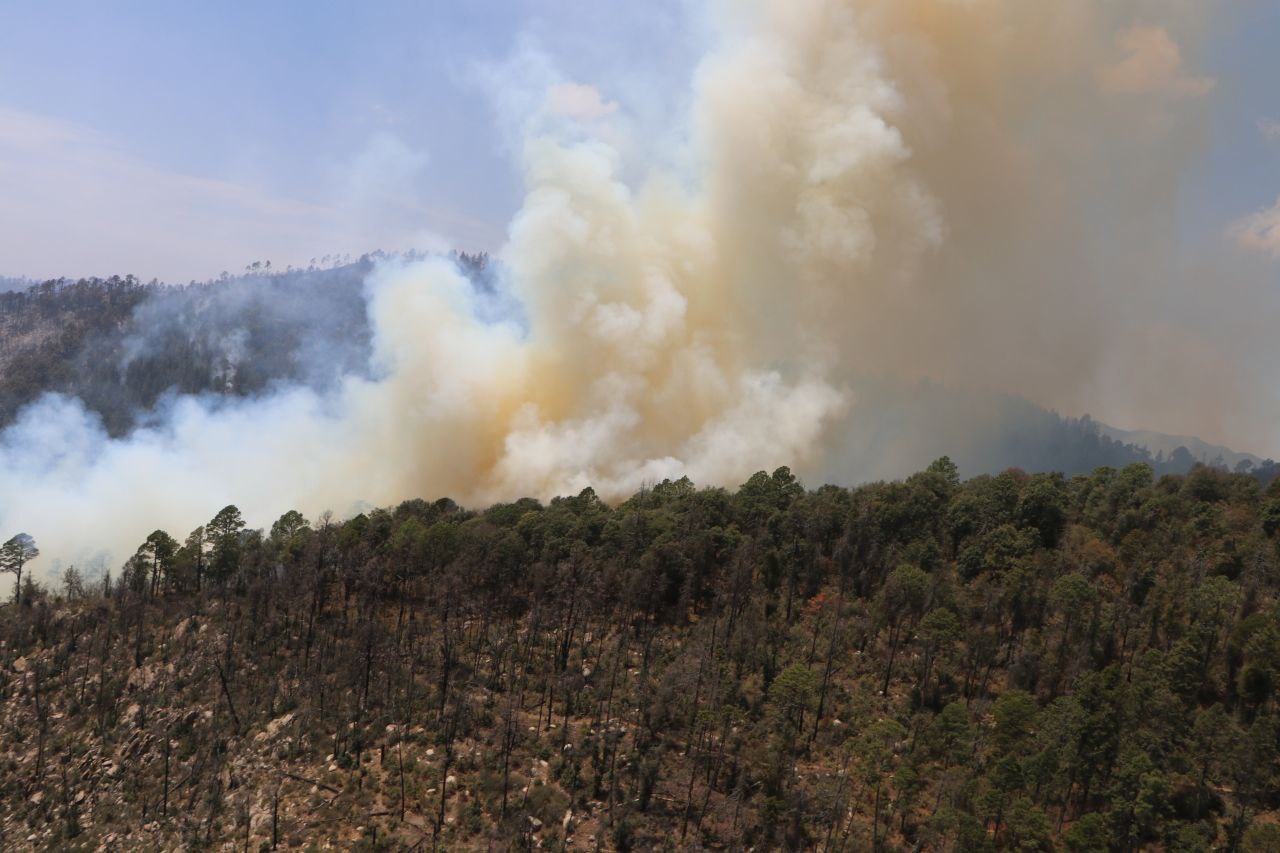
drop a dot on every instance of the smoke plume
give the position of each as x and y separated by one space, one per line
976 192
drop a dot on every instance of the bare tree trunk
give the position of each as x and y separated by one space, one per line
164 803
226 691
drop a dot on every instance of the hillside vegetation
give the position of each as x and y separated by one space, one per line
127 350
123 347
1018 662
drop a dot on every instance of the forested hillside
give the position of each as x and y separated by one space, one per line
1016 662
121 346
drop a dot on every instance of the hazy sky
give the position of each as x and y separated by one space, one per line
177 140
1242 171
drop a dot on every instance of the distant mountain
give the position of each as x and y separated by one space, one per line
893 424
1163 443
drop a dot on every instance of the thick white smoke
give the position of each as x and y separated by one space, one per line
879 185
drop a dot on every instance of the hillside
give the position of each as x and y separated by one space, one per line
1018 662
127 349
1202 451
124 347
896 424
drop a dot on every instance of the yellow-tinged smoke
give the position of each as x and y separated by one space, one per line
942 188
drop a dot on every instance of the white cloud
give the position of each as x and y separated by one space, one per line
1152 65
578 100
1259 231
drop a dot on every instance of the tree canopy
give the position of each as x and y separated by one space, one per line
1013 662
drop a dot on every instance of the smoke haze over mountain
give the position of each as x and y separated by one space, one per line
981 194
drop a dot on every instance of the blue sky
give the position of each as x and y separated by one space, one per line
327 126
179 139
1242 169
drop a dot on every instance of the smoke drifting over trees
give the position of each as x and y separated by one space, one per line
909 189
